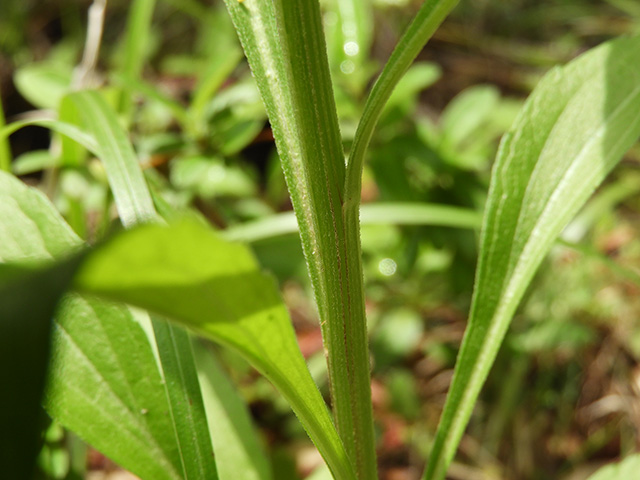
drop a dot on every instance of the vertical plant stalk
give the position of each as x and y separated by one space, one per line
338 283
5 148
431 14
137 37
82 75
285 46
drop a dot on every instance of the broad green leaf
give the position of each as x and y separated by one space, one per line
43 84
624 470
96 348
418 77
189 274
466 113
30 228
27 303
572 131
233 436
105 386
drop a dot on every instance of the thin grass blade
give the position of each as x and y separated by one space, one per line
233 435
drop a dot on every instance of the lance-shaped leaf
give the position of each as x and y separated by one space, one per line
575 127
191 275
232 433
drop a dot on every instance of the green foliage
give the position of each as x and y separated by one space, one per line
627 468
109 319
573 129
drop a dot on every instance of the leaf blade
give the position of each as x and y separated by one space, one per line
574 128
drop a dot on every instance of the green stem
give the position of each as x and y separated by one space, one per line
137 40
335 263
430 16
5 149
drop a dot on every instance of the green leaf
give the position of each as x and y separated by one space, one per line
574 128
626 469
69 130
418 77
105 386
43 84
370 214
97 348
189 274
466 113
30 228
136 45
27 303
232 433
33 161
125 177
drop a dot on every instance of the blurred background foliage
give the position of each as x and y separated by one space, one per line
564 395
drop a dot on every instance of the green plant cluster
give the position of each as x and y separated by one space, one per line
160 220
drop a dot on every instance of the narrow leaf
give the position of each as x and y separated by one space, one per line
185 400
233 436
373 213
572 131
136 45
114 149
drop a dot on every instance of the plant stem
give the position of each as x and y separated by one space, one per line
334 263
5 149
423 26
